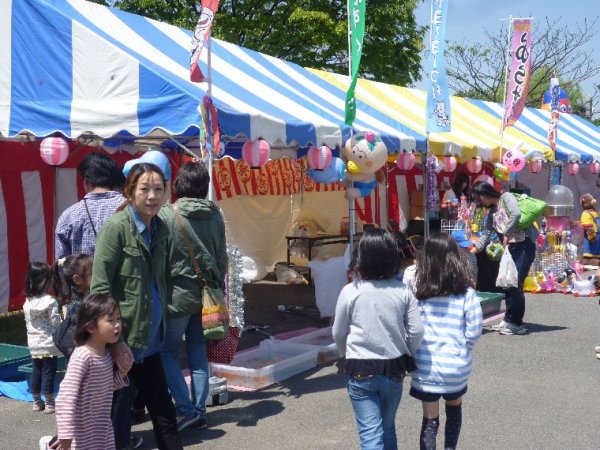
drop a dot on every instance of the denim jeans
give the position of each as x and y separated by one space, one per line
375 401
523 254
195 346
43 373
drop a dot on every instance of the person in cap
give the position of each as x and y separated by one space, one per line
466 245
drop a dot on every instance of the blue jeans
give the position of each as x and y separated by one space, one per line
43 373
195 346
375 401
523 254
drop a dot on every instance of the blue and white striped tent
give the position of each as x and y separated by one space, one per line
78 68
577 139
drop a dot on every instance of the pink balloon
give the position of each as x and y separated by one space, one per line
514 160
485 178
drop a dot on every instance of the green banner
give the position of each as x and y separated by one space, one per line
356 13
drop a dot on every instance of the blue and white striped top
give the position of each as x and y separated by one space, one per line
452 326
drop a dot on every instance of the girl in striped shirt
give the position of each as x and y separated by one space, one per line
451 315
85 397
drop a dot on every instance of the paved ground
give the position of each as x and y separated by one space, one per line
538 391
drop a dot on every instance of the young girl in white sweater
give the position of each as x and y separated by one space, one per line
42 318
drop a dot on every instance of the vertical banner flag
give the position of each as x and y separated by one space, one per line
438 100
554 113
201 33
520 72
356 20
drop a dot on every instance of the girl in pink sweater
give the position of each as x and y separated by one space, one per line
85 396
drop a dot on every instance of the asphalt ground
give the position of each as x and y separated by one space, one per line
538 391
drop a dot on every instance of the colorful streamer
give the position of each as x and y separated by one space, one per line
520 72
201 33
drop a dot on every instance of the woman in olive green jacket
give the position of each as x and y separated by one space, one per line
130 265
206 232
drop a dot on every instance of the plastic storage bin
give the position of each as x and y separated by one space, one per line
11 357
491 302
26 369
320 340
269 363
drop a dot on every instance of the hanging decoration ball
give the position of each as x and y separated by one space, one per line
514 159
319 158
474 165
535 166
573 168
595 167
405 160
449 163
54 150
501 172
256 153
483 178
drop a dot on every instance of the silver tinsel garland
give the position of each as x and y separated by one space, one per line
235 289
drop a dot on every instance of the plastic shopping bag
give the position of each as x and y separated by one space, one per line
507 275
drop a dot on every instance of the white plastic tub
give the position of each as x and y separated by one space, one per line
320 340
268 364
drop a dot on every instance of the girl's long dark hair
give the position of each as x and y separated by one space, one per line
63 272
38 279
457 187
482 188
442 268
93 308
376 256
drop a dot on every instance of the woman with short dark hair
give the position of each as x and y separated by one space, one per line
376 329
205 230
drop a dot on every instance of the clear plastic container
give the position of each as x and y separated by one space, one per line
322 341
268 364
559 201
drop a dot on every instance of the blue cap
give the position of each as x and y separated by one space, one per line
155 157
461 238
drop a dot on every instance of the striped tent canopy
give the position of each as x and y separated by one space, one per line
476 124
78 68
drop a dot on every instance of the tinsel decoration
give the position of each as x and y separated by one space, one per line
235 290
433 197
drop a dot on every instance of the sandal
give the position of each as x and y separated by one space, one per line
597 348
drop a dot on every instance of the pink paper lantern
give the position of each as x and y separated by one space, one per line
256 153
595 167
449 163
573 168
474 165
319 158
485 179
405 160
54 150
535 166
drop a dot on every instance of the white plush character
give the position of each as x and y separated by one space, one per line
364 157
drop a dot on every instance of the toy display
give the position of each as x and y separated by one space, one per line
365 155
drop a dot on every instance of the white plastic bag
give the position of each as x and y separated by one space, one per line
507 275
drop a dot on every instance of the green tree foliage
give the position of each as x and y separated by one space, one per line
311 33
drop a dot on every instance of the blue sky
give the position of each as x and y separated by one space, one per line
468 18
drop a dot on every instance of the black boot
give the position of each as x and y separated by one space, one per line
429 430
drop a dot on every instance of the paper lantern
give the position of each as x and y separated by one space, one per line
405 160
256 153
319 158
535 166
474 165
54 150
449 163
573 168
483 178
595 167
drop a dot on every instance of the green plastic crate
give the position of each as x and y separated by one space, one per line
491 302
11 357
26 369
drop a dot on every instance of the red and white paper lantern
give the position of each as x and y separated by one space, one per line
535 166
449 163
573 168
319 158
484 179
405 160
595 167
54 150
474 165
256 153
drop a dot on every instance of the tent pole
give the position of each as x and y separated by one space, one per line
351 203
426 190
506 73
209 153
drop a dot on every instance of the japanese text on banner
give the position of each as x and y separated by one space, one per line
437 112
201 33
520 72
356 14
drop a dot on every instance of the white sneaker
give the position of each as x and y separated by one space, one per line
510 329
496 327
46 441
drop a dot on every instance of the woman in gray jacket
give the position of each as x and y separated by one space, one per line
206 230
504 220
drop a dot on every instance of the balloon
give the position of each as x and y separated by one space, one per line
501 173
514 159
334 172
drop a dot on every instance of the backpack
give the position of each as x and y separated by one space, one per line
531 208
64 335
